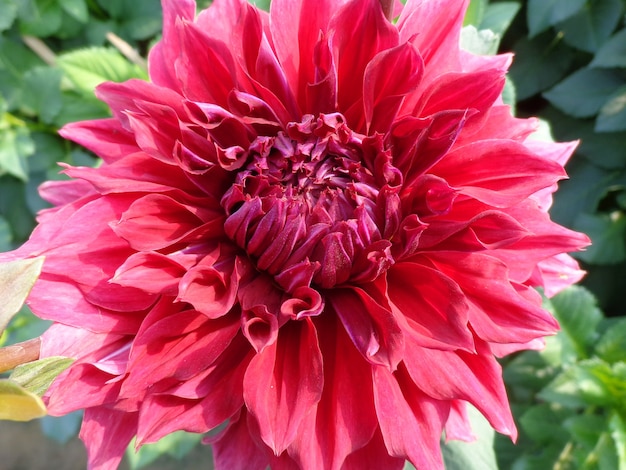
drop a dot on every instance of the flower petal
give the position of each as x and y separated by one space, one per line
433 306
410 421
284 382
218 396
475 169
359 31
176 348
499 310
383 92
461 375
235 448
371 326
106 433
344 419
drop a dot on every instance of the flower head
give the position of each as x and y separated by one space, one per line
314 226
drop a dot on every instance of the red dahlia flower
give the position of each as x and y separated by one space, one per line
314 226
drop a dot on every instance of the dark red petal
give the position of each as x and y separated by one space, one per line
151 272
236 450
461 375
200 403
359 30
371 326
373 455
133 95
284 382
476 90
344 420
104 137
411 422
421 143
136 170
107 432
434 28
164 55
156 221
476 170
210 72
500 311
459 426
389 76
211 285
176 348
296 27
432 305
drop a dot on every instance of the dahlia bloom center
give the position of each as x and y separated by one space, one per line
316 204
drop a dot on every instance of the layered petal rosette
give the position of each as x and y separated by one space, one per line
313 231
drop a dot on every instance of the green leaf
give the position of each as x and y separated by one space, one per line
529 372
605 150
77 9
604 454
37 376
262 4
43 20
87 68
15 61
5 235
509 94
543 423
8 13
78 107
612 117
15 146
601 383
564 390
543 132
581 193
539 63
611 346
612 53
576 310
542 14
17 404
140 19
608 237
475 12
176 445
476 455
16 280
617 425
590 382
586 429
483 42
588 29
115 8
14 209
499 16
543 458
583 93
49 150
44 96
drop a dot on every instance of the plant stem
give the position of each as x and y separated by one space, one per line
41 49
127 50
20 353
